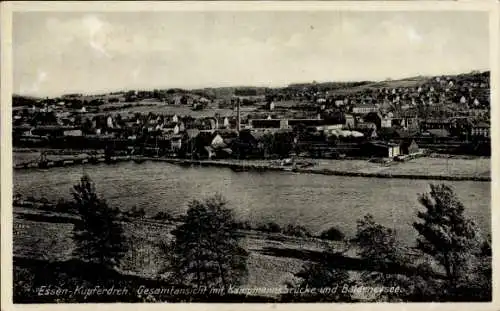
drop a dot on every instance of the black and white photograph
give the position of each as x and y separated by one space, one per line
245 156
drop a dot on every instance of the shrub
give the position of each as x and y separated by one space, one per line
297 230
163 216
243 225
332 234
136 212
271 227
16 198
63 206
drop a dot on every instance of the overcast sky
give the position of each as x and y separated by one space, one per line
57 53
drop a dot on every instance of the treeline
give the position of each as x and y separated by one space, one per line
450 262
125 106
18 100
325 86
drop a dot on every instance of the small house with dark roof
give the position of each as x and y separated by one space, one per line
379 149
431 124
409 146
207 144
222 122
368 129
228 136
171 127
350 122
388 133
266 123
188 141
270 106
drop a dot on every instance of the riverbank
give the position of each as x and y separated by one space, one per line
427 168
421 168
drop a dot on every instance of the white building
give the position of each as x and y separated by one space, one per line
481 129
363 109
386 122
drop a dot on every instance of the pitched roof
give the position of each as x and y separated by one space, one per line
170 125
228 133
439 121
365 106
382 144
482 124
366 125
257 135
192 133
206 138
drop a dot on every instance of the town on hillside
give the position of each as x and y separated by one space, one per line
391 120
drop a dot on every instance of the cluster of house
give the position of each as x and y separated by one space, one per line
468 92
443 108
365 121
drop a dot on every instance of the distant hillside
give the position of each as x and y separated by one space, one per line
335 88
342 88
20 100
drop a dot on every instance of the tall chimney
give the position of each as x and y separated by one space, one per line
238 118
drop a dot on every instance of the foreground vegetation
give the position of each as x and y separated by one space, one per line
451 260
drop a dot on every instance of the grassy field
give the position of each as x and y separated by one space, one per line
480 166
420 166
164 108
24 157
445 167
273 260
43 238
403 83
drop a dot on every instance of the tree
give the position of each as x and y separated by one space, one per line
319 282
99 235
445 233
87 126
379 248
277 144
267 143
206 251
78 119
375 242
321 279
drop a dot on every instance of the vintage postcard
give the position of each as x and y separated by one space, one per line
241 152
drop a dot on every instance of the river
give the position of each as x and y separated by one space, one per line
315 201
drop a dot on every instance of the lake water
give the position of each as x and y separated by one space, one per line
315 201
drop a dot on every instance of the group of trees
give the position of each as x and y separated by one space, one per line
280 144
205 250
450 262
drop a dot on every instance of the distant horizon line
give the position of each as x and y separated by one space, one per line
106 92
